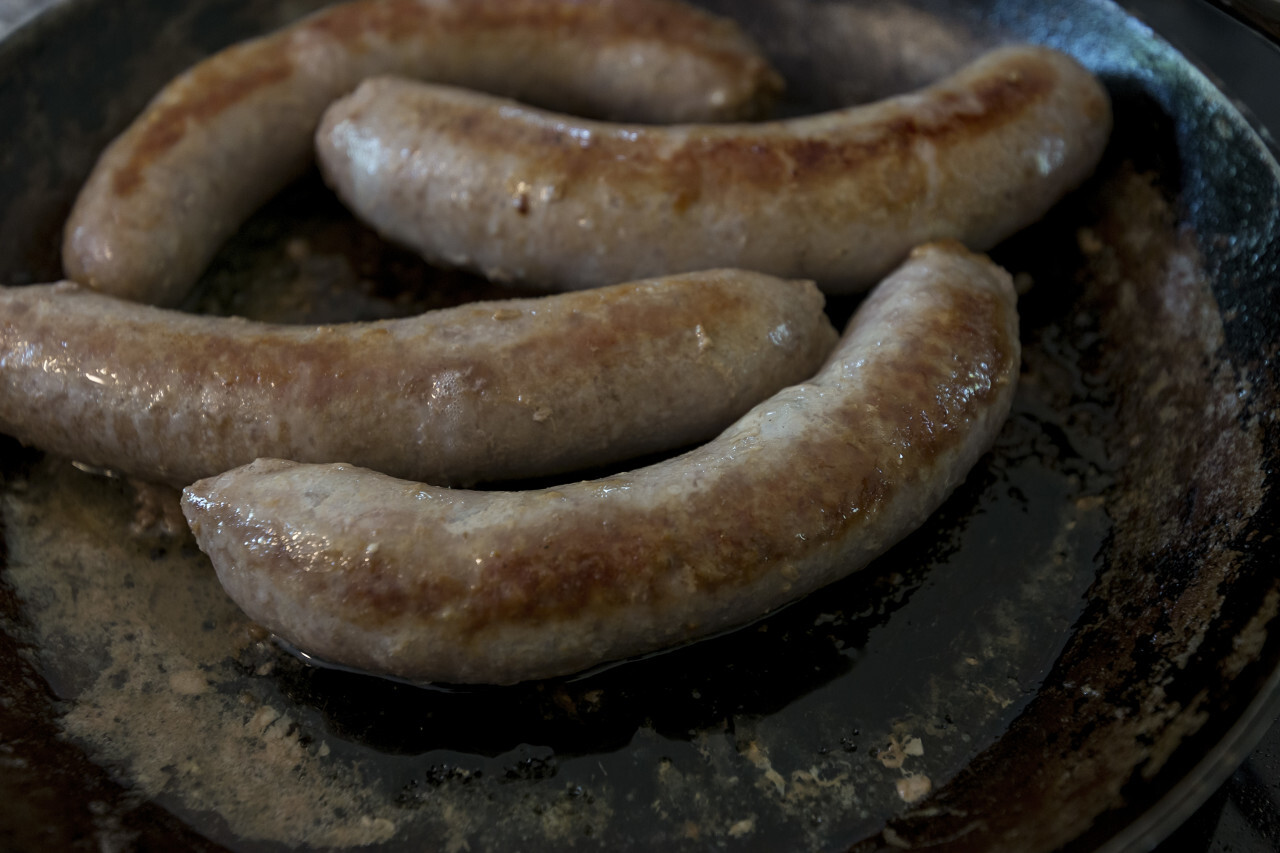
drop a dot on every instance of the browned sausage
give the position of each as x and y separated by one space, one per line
459 586
524 195
480 392
225 136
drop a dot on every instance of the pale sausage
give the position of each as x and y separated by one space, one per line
524 195
228 134
395 577
485 391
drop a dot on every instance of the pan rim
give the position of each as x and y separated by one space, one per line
1196 786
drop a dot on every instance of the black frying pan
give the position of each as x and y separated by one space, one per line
1071 653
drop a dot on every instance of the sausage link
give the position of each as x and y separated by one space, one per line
524 195
399 578
484 391
225 136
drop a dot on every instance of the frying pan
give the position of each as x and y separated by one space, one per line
1072 653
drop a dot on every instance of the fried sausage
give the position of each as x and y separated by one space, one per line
225 136
399 578
525 195
484 391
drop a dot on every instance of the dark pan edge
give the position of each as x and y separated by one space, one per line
1159 822
1177 803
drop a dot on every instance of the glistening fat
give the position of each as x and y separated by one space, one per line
225 136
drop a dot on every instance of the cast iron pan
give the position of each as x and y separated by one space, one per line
1071 653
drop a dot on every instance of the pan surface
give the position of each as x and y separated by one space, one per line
1072 651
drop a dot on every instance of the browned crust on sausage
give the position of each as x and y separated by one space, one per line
549 573
484 391
400 578
220 139
765 157
220 85
606 23
838 197
241 70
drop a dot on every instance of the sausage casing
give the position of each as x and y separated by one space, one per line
485 391
225 136
464 586
524 195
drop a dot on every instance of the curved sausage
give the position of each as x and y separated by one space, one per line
228 134
484 391
524 195
459 586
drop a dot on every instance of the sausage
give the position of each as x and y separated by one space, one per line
524 195
225 136
395 577
485 391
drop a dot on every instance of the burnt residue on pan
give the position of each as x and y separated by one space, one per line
1176 620
1082 621
813 725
